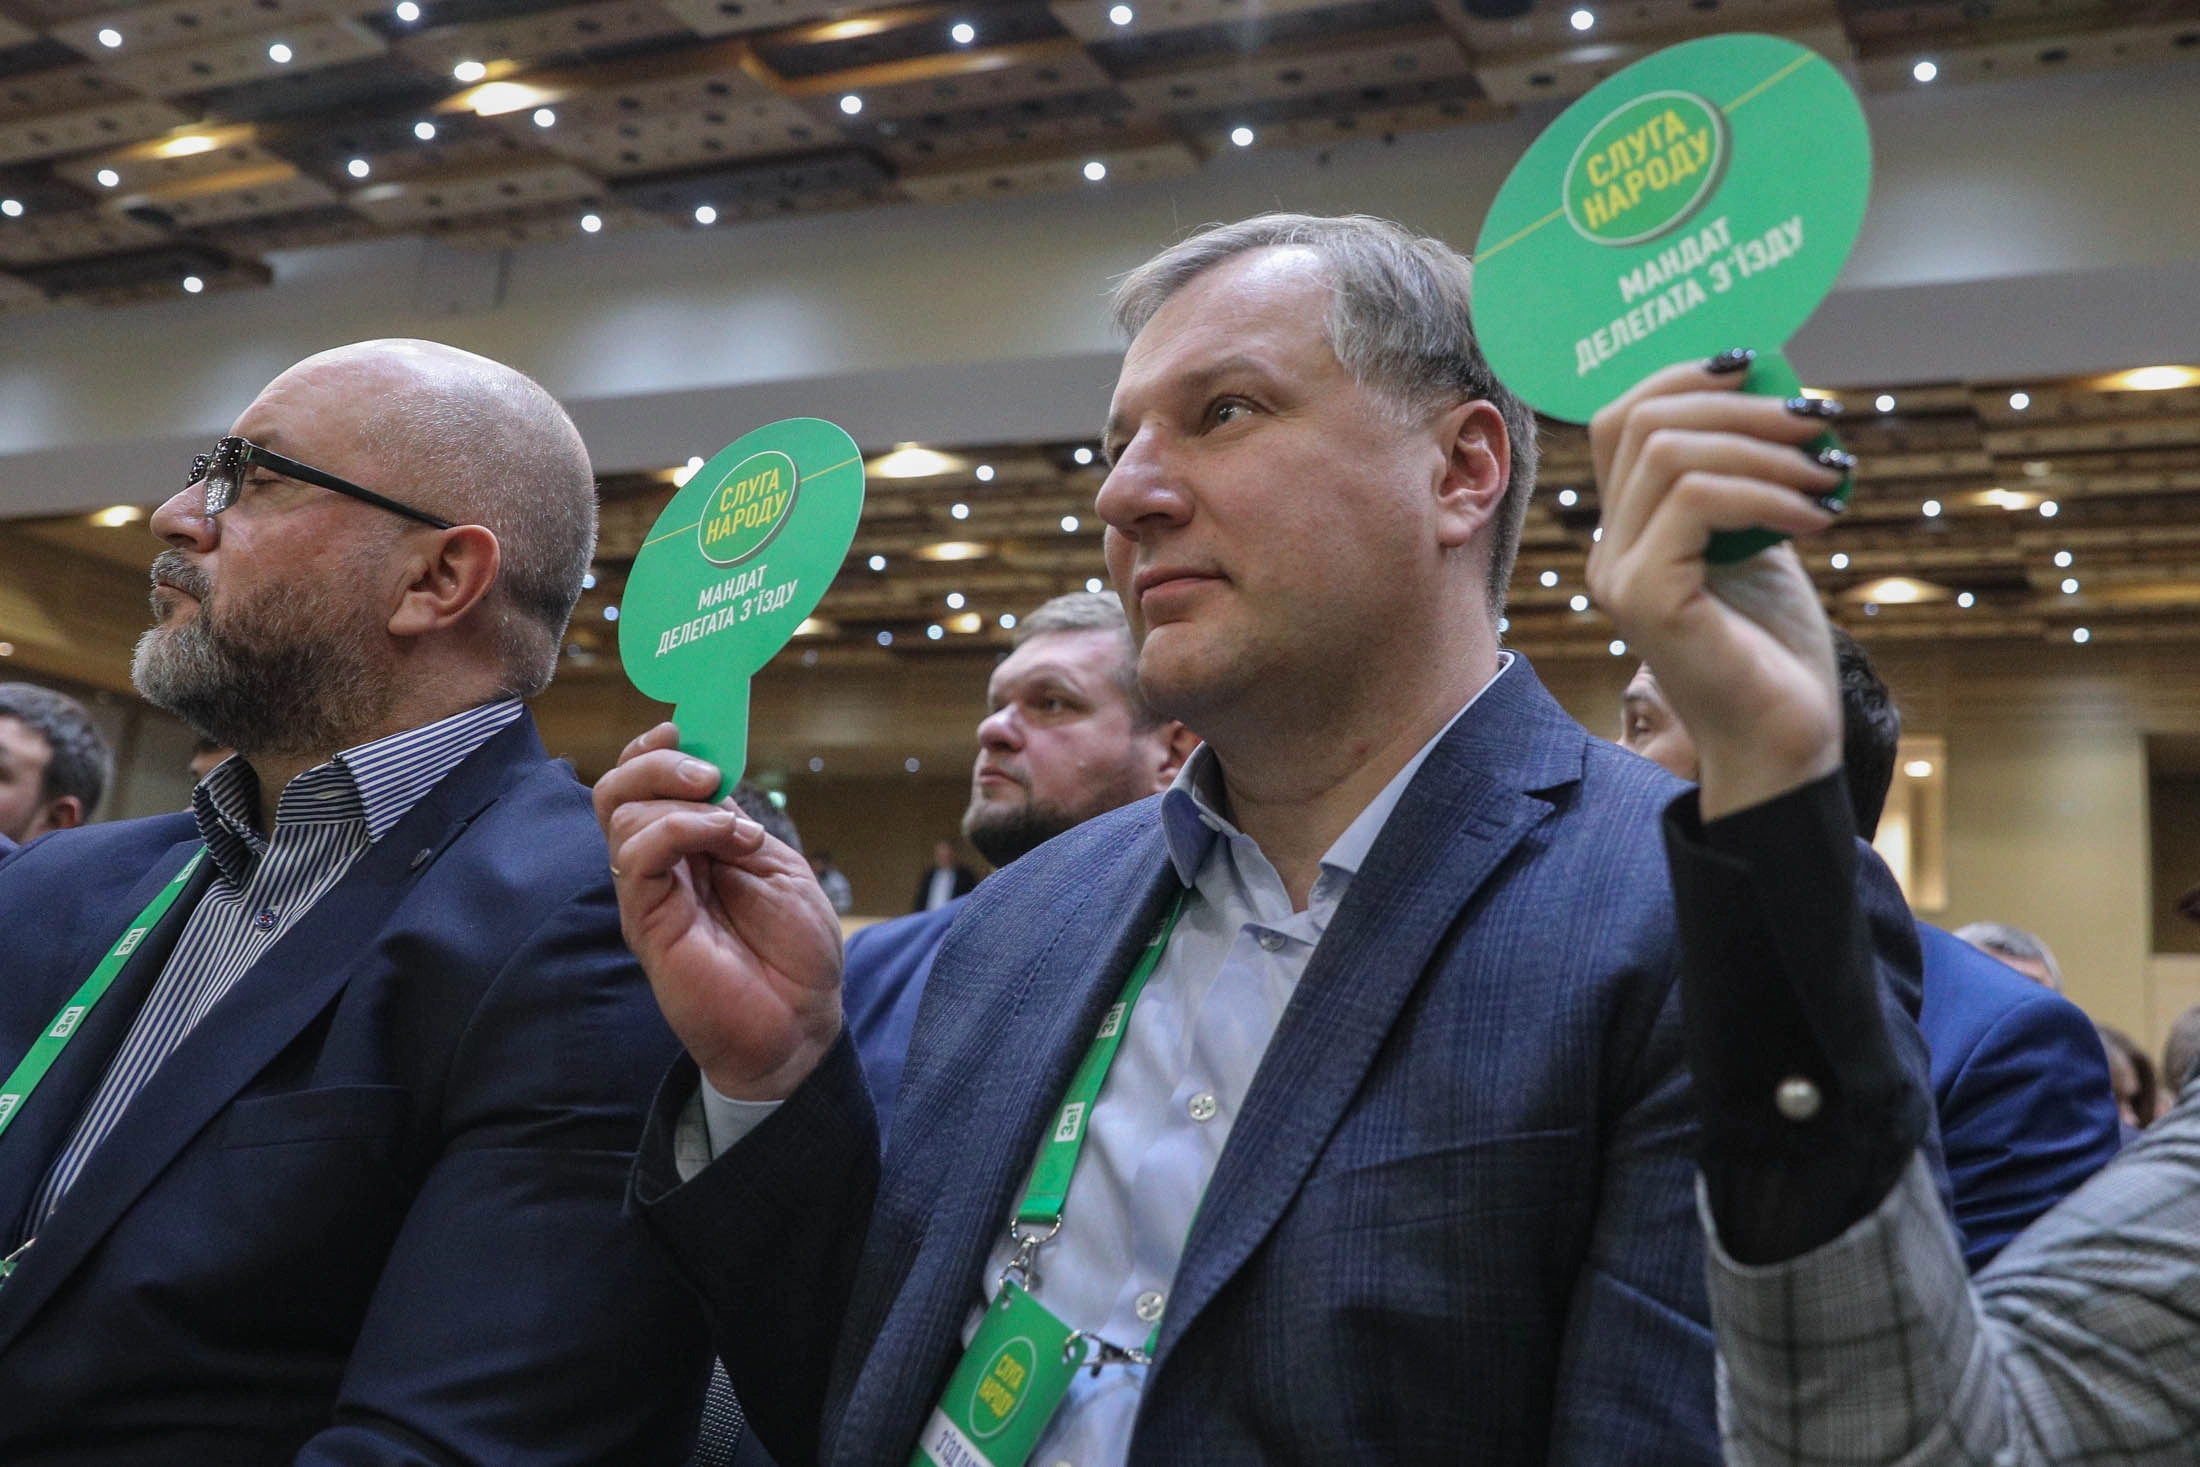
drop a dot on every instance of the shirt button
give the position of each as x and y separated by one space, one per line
1148 1306
264 920
1202 1107
1270 941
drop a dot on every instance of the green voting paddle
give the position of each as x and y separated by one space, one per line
737 560
1703 198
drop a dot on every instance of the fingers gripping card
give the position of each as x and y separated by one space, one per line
1704 198
735 563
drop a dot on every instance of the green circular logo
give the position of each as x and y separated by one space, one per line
746 508
1000 1387
1645 168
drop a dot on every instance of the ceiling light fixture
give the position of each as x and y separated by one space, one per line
962 33
544 117
1241 136
591 223
1121 15
110 37
469 72
425 131
705 214
1925 71
851 104
2019 401
1581 20
1095 171
358 168
280 54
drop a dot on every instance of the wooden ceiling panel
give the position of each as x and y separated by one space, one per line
1048 174
1393 60
312 45
496 191
101 125
40 239
181 24
516 41
1092 20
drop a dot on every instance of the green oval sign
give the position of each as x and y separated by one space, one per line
746 508
1645 168
1000 1387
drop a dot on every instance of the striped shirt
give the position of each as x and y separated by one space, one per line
324 822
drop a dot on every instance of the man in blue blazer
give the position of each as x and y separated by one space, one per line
1066 737
1393 1161
2019 1081
332 1171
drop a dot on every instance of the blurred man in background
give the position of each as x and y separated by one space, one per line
1068 737
54 763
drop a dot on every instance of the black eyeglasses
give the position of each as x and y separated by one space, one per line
222 472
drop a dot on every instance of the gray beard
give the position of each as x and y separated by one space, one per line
287 674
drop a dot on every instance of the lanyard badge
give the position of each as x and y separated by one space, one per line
1018 1366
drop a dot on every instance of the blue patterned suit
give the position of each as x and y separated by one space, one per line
1453 1222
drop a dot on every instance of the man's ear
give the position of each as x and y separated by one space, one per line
452 570
1477 466
65 812
1175 743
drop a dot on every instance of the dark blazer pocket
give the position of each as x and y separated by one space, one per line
1527 1171
338 1113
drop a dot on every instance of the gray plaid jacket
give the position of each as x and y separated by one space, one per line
2080 1344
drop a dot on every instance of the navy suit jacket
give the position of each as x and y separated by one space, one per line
882 982
1454 1222
369 1211
2021 1085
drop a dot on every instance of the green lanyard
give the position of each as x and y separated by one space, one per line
1039 1215
47 1047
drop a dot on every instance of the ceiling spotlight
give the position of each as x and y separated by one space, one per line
851 104
705 214
408 12
1120 15
877 562
912 763
469 72
934 632
1617 648
1081 456
588 581
611 613
886 639
985 473
110 37
2049 509
2080 634
1966 600
1925 71
1242 136
358 168
1581 20
954 601
959 511
2070 585
817 765
1884 402
1930 509
1095 171
591 223
962 33
1567 499
108 178
1919 769
2062 559
13 208
1579 603
425 131
280 54
685 472
1548 578
1007 621
544 117
115 516
1069 524
2019 401
2157 379
192 285
1839 560
1093 585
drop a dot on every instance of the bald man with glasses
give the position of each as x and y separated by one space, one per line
319 1098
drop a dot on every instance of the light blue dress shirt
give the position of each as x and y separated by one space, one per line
1187 1060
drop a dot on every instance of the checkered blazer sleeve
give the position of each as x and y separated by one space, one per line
2081 1344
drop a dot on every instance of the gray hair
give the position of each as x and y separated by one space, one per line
1094 611
81 764
2005 941
1399 321
491 446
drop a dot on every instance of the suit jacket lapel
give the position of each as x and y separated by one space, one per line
275 999
1034 1033
1469 805
50 1115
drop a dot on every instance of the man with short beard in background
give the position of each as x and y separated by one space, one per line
1067 737
319 1098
